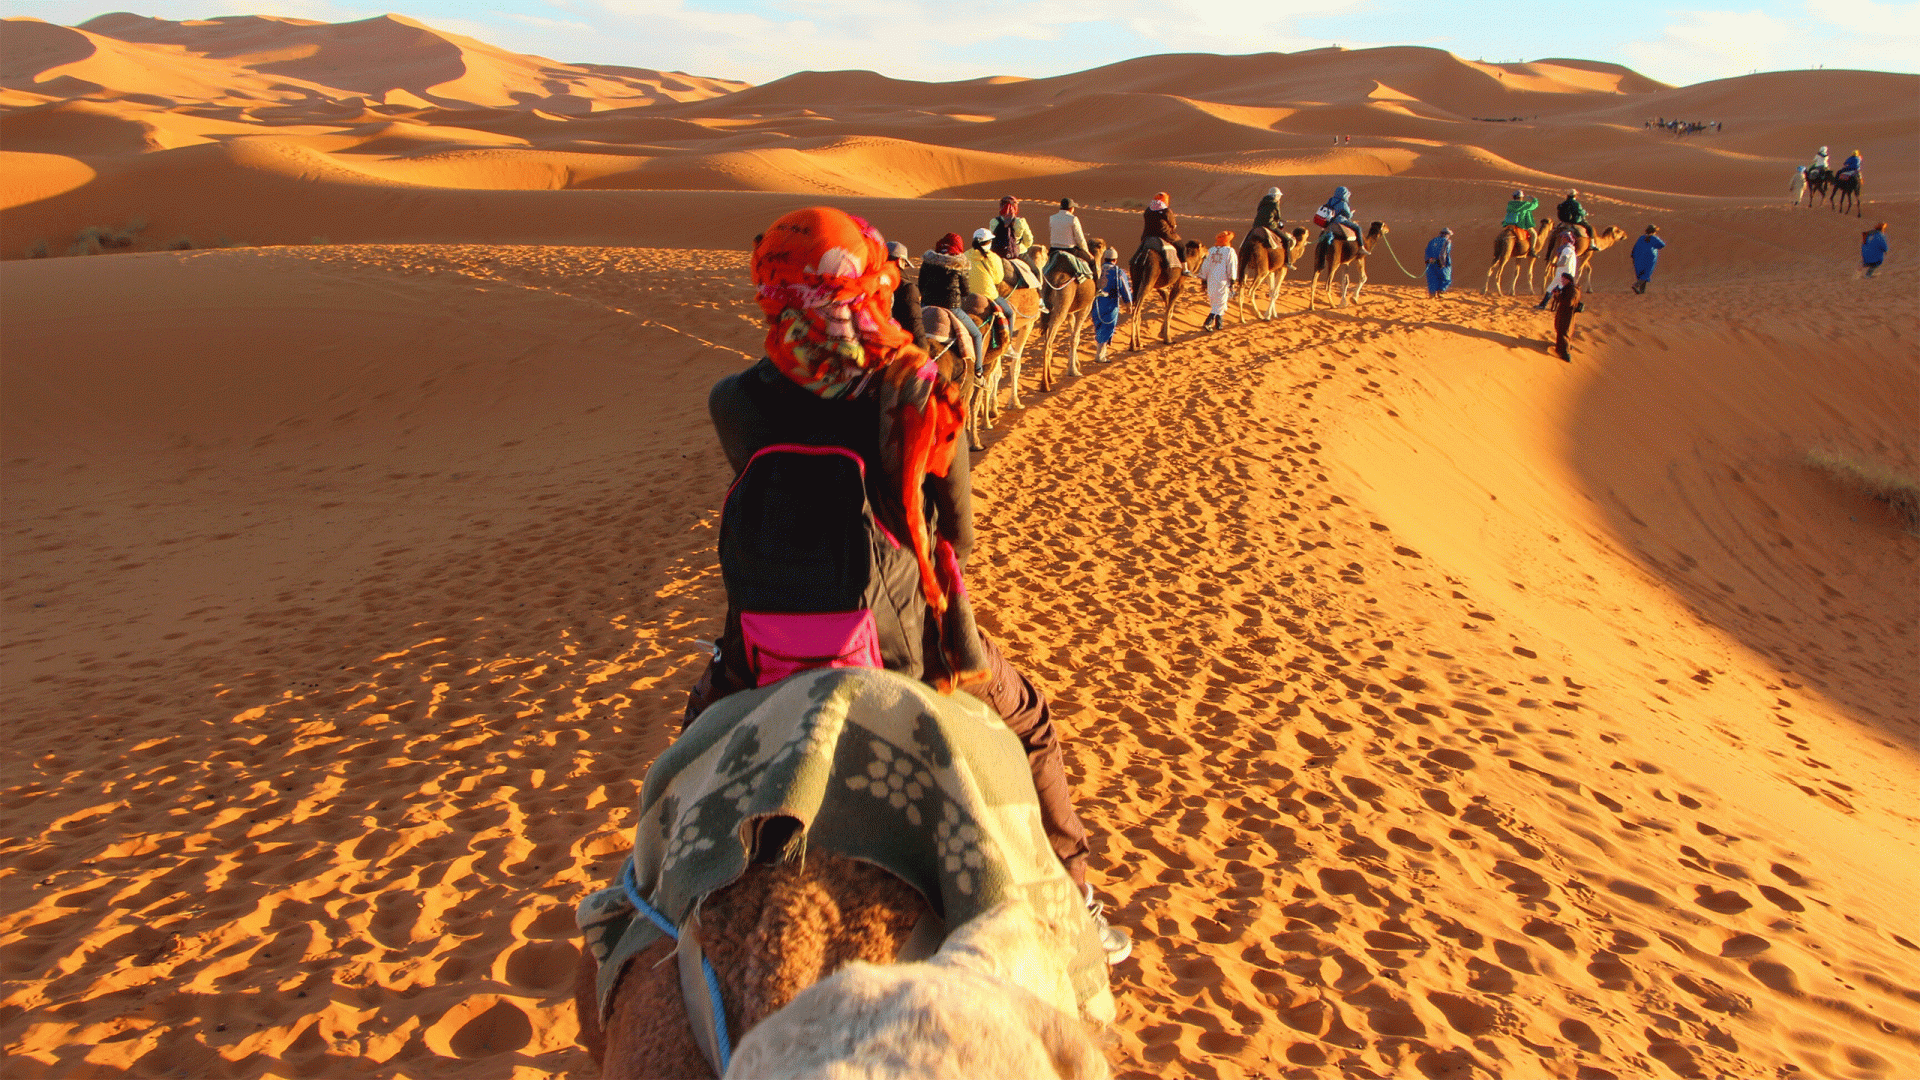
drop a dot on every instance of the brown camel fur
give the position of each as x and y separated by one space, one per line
1068 302
1346 258
1260 263
1514 245
774 932
985 410
1149 270
1583 247
1846 193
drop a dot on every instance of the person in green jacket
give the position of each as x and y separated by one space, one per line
1520 210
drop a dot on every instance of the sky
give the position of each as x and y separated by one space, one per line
938 40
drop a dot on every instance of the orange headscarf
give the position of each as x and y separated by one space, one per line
1165 199
1223 239
825 282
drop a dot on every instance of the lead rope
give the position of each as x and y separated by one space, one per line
1396 258
722 1044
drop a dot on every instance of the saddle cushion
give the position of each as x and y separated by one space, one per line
1071 263
870 765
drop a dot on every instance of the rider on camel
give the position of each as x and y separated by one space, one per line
1520 211
1020 232
1339 217
1159 220
1570 212
1267 216
1819 160
1849 167
838 372
1064 233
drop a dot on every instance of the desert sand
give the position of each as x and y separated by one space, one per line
1439 708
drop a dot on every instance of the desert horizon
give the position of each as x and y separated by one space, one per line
1437 707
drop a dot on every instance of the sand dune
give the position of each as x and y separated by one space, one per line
1439 709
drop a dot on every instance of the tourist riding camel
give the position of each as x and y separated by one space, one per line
1116 292
1064 233
1336 217
1570 212
1820 159
1267 216
1849 168
906 298
1520 211
839 374
1220 270
1159 222
1013 236
944 274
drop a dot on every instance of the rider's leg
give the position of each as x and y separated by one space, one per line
1027 711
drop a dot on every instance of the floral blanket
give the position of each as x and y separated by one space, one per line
872 765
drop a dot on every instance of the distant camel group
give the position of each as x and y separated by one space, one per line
1840 190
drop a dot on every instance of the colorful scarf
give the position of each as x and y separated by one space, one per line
825 282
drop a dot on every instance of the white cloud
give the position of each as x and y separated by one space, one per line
1718 44
942 40
543 22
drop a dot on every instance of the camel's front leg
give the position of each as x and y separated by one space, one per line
1166 321
1273 294
1362 284
990 407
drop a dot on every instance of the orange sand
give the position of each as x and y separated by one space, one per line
1440 709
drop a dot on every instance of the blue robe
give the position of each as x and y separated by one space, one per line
1646 252
1439 265
1115 287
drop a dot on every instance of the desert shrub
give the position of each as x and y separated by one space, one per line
1873 479
181 244
38 251
94 239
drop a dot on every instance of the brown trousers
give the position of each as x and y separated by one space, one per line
1028 713
1562 327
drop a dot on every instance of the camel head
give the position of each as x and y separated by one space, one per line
1376 230
1609 236
1191 252
1096 247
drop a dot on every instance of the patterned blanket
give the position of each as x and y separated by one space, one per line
874 766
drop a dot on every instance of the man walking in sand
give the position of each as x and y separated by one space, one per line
1646 254
1439 264
1566 304
1873 249
1219 271
1799 187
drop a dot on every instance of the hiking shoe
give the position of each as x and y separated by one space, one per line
1114 941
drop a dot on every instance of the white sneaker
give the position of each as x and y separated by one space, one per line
1114 941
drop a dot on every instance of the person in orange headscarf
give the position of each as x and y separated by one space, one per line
1160 220
1219 271
840 372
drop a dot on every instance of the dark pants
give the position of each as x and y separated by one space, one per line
1027 712
1562 327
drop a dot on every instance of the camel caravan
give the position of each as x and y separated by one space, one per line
861 856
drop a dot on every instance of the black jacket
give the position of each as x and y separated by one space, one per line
1571 212
1160 223
943 280
906 311
760 407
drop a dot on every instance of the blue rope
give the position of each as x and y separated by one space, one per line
632 888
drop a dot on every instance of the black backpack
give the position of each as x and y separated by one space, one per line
1005 243
813 578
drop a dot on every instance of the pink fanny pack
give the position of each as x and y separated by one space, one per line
779 644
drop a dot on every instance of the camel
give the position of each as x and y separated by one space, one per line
808 959
1514 245
823 964
1150 269
1819 185
1026 313
1339 255
1068 302
1260 263
1583 247
1846 192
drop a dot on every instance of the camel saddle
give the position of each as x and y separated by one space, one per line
1071 263
1167 251
1263 236
860 762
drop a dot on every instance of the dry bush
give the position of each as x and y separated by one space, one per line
94 239
181 244
38 251
1885 483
